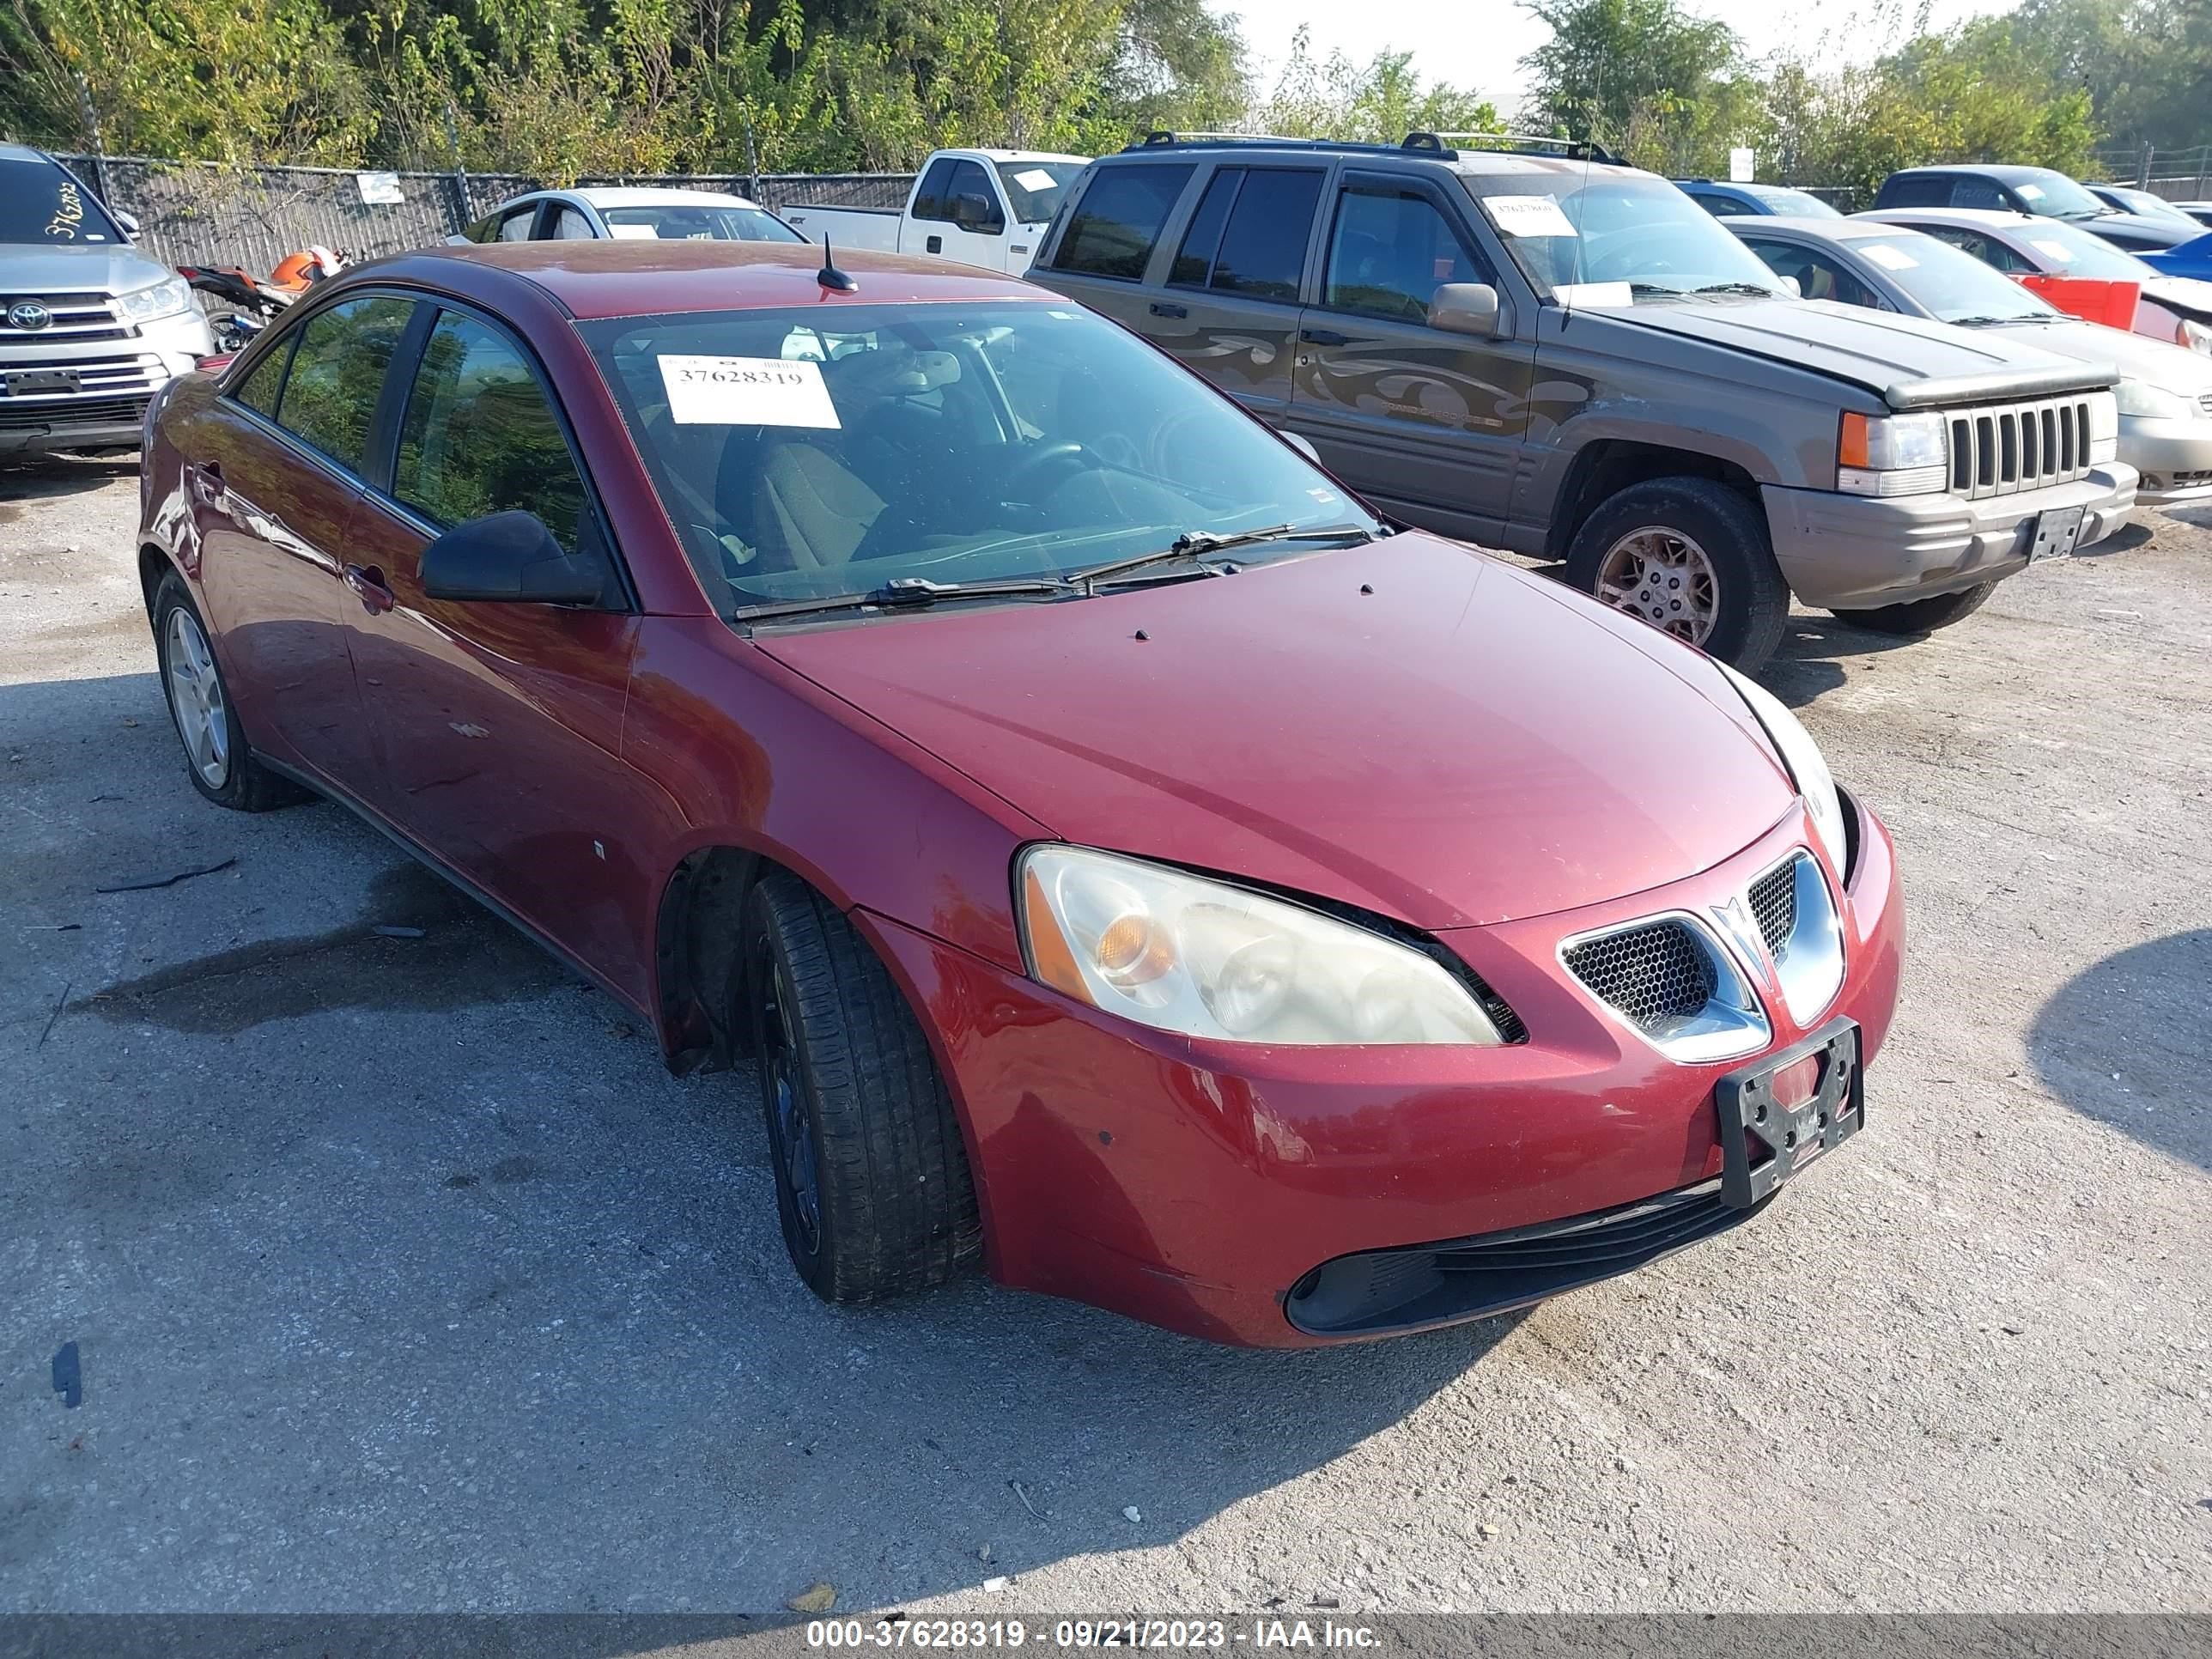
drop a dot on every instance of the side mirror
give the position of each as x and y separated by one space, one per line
1796 288
509 558
1465 308
976 213
1304 445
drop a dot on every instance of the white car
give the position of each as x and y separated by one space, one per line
2177 309
2164 393
622 213
981 206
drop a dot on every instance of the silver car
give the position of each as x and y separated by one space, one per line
90 328
2164 393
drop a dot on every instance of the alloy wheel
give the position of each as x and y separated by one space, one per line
196 700
1664 577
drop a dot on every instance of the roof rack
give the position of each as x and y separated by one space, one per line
1444 146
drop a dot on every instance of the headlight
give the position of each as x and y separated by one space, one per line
144 305
1891 454
2195 336
2104 426
2150 403
1807 770
1183 954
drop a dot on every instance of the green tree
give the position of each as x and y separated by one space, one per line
1379 103
1647 77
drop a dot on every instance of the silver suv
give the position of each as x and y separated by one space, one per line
89 327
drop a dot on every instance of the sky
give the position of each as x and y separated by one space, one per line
1480 43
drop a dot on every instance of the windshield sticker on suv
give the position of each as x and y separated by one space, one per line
2031 192
1888 258
746 392
1593 294
2058 251
1528 216
1035 179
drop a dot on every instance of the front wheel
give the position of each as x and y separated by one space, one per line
1920 616
1692 557
871 1180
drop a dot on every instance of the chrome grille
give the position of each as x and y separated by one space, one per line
105 377
80 316
2008 447
70 412
1651 973
1774 904
2204 403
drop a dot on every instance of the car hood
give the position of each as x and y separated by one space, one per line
2165 232
2188 295
2137 356
1909 362
1464 744
25 268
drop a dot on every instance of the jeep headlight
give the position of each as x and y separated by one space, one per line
1181 953
2146 402
1891 454
162 300
2195 336
1807 767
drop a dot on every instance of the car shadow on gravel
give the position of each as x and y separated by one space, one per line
49 476
1813 648
2128 537
2123 1042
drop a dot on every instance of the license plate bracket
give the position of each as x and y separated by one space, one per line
1754 1120
2056 533
31 382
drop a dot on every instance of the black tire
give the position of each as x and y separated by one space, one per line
848 1087
245 784
1920 616
1751 601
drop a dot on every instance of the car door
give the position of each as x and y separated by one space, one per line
958 214
1229 309
1427 422
497 726
1100 256
274 481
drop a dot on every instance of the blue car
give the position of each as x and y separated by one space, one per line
1750 201
2190 258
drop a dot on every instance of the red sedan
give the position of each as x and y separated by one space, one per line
1119 855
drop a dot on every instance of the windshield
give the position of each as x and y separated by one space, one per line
1616 239
1034 188
1795 202
2144 203
40 202
801 453
697 223
2056 195
2063 251
1949 283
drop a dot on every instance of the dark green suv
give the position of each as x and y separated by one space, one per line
1528 345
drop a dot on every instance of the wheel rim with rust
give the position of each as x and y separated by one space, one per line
196 700
1664 578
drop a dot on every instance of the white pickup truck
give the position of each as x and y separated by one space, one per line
981 206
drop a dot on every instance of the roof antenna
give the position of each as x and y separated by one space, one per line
1589 151
830 276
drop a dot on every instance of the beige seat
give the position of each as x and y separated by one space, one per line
809 510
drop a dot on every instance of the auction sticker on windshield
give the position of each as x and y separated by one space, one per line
2058 251
746 392
1888 258
1035 179
1528 216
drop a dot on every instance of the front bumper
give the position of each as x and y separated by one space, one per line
116 379
1861 552
1195 1186
2174 457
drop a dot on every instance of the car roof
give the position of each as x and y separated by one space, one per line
1974 218
2003 172
1827 230
23 153
622 196
596 278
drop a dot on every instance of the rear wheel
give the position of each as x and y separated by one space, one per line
1920 616
872 1181
1690 556
216 758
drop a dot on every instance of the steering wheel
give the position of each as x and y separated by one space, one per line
1045 460
1617 255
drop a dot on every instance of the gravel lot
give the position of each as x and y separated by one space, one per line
404 1278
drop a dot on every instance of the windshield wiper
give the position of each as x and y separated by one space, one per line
1737 287
1192 543
1992 322
908 593
1656 288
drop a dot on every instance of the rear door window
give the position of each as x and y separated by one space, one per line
568 226
329 397
1116 224
1390 249
515 226
1194 260
480 436
1263 247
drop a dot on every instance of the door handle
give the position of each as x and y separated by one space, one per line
207 481
1323 336
368 585
1162 308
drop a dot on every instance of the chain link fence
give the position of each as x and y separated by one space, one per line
199 213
